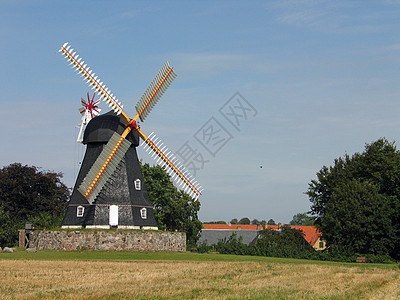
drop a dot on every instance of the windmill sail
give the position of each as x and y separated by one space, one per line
104 166
93 80
172 166
155 90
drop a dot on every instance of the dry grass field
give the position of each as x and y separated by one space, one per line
180 279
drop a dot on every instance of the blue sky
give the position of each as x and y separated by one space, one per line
322 78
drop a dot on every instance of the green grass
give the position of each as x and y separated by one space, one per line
170 256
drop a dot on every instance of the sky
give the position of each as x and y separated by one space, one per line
267 93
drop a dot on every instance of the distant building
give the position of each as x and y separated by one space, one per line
211 233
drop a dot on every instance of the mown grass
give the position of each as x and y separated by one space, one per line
161 275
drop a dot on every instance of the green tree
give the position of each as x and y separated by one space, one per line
271 222
215 222
45 220
244 221
301 219
8 235
357 201
258 222
234 221
173 209
25 191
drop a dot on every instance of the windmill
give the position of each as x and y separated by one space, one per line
111 140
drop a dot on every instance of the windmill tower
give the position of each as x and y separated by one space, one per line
110 190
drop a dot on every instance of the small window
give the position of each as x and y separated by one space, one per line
79 211
321 244
137 184
143 213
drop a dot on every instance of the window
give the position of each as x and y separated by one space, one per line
137 184
79 211
321 244
143 213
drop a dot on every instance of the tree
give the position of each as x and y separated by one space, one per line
244 221
8 236
357 201
271 222
46 220
173 209
215 222
258 222
301 219
25 192
234 221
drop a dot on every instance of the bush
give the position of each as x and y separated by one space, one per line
232 245
8 234
46 220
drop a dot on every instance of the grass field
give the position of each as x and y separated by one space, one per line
149 275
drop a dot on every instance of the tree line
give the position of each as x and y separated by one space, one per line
300 219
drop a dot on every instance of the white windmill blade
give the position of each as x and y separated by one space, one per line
155 90
182 177
91 79
104 166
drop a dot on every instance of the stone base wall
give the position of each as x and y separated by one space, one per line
108 240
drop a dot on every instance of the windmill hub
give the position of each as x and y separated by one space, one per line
133 124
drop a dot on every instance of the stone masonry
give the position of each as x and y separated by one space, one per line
108 240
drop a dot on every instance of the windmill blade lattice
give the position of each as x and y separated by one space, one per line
155 90
172 166
92 80
104 166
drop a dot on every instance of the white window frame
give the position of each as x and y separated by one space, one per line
143 213
138 184
80 210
